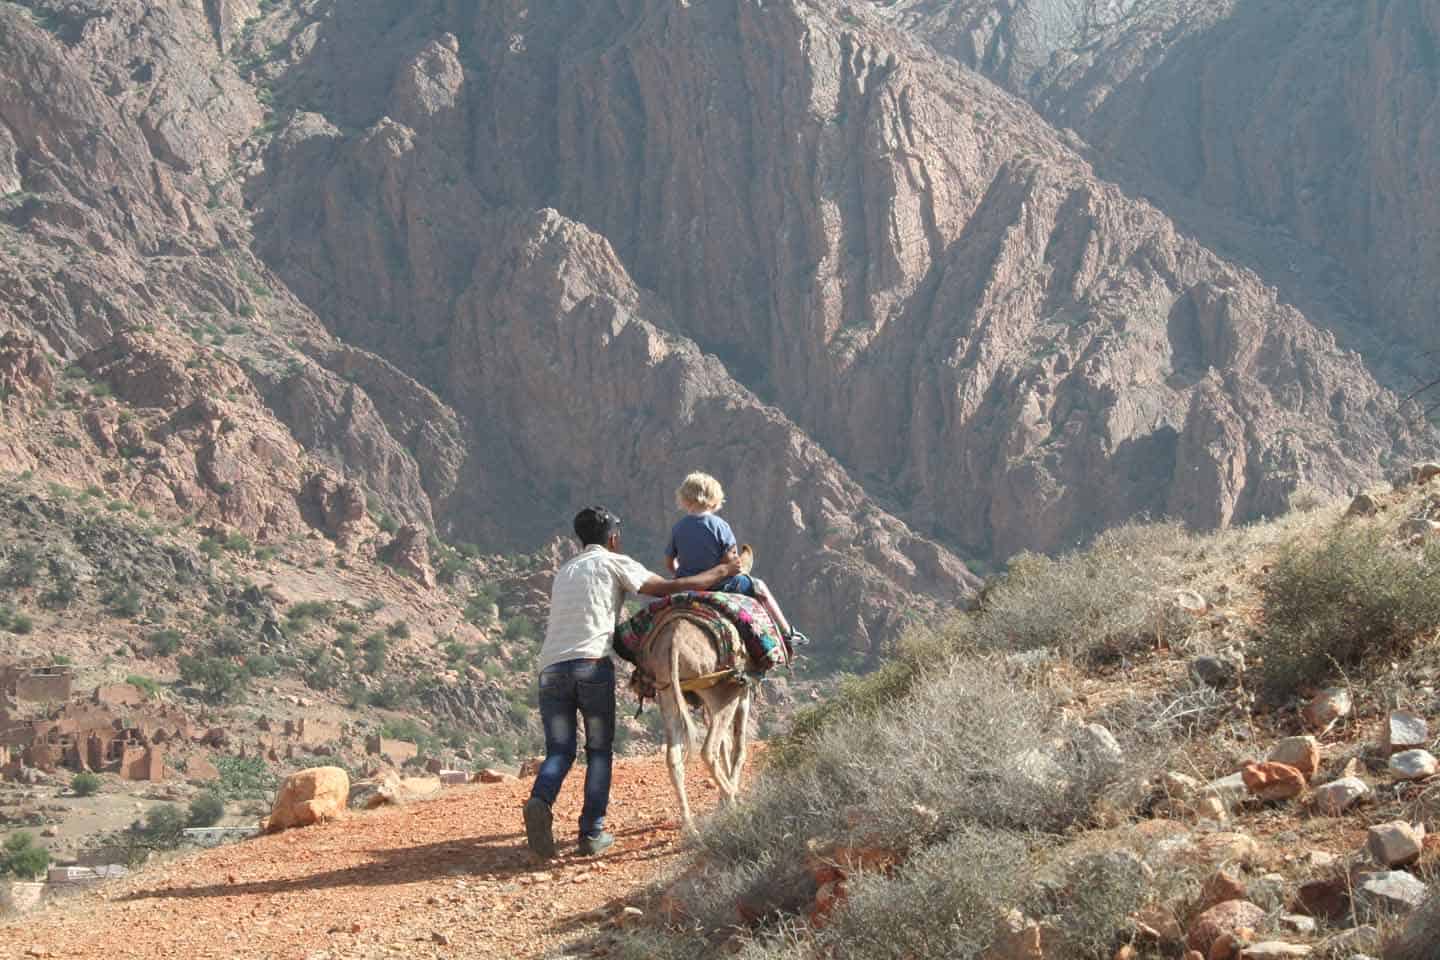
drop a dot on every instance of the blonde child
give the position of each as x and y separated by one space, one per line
701 539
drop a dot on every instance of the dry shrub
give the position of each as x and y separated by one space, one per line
943 902
970 748
1417 938
1095 605
1354 597
1091 901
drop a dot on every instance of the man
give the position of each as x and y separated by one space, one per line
577 675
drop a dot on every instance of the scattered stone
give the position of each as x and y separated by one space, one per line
1395 844
1296 923
530 766
1336 797
1274 950
1302 753
50 831
1211 808
1273 782
1229 945
1363 505
1216 672
627 916
310 796
1421 527
1327 707
1406 731
1413 765
490 775
454 778
1388 892
1224 918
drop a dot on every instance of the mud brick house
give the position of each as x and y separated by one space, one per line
396 751
31 684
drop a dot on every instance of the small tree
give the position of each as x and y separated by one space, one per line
85 785
206 810
20 857
163 827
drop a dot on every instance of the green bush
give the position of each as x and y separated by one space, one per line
211 547
23 568
311 610
323 674
238 543
163 827
21 858
519 629
85 784
21 624
244 778
146 685
376 647
1356 596
374 605
164 643
399 630
219 680
123 601
206 810
261 665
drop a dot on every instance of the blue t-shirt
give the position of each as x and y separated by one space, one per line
698 541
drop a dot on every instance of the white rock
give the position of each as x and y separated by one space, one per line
1302 753
1230 791
1268 892
1192 603
1406 731
1099 747
1357 939
1297 923
1395 844
1413 765
1389 892
1274 950
1336 797
1327 707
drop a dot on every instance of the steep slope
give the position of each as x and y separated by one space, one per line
904 259
1316 121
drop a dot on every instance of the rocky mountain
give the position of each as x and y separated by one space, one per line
488 262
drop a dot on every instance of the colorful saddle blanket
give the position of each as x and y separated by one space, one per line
724 613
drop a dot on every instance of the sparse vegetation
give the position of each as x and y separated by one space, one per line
164 643
219 680
146 685
21 858
85 785
1355 595
244 778
206 810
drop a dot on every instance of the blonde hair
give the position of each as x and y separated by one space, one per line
700 493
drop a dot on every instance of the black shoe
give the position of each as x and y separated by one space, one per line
596 845
538 835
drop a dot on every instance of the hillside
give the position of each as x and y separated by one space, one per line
1225 760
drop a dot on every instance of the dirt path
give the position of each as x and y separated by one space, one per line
448 878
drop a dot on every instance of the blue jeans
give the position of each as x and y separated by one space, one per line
586 687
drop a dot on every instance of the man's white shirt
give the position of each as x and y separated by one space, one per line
586 603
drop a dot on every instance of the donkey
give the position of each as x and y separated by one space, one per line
679 651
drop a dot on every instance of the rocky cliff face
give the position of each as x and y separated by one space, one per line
901 315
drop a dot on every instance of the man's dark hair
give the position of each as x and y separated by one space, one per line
593 525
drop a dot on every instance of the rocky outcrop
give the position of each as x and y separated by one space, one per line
924 277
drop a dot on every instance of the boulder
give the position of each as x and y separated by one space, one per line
1302 753
392 789
1225 918
530 766
1327 707
1297 923
1273 781
1179 785
1387 893
490 775
1362 939
1192 603
1413 765
1395 844
1098 748
1336 797
1405 731
1325 898
1230 791
308 797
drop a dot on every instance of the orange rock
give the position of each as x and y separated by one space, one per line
310 796
1220 887
1273 781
